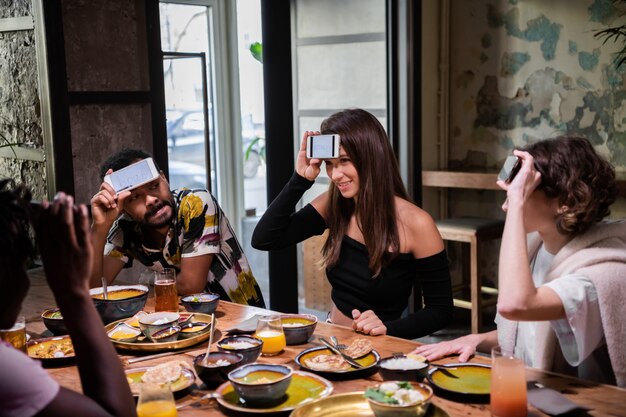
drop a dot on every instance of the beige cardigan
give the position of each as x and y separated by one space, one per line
600 255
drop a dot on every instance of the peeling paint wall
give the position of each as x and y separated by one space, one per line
20 120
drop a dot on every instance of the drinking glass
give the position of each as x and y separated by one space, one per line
16 335
508 385
270 330
156 400
165 294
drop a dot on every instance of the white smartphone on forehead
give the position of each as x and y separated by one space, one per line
322 146
132 176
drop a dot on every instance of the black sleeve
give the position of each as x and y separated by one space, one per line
436 288
280 227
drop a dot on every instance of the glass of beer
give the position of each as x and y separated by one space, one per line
165 294
270 330
508 385
156 400
16 335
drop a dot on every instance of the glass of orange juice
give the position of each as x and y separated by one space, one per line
156 400
270 330
508 385
165 294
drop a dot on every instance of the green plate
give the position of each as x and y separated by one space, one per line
304 388
350 404
467 379
187 378
368 361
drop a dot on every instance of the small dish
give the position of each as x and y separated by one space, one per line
169 334
465 382
201 303
298 328
124 333
402 368
152 323
219 365
134 320
258 383
368 361
52 351
192 329
187 378
53 320
248 346
409 399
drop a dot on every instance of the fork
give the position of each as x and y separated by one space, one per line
339 346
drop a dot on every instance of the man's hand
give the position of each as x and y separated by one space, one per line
106 206
65 245
368 323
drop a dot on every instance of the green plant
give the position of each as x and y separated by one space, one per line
256 49
617 34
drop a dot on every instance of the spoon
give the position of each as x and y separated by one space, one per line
208 348
105 291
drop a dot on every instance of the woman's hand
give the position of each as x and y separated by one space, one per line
106 206
464 346
368 323
524 183
307 168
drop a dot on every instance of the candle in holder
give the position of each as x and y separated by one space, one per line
508 385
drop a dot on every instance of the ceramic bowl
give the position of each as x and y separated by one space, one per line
201 303
402 368
124 333
116 309
414 409
250 354
169 334
213 374
152 323
53 320
261 383
192 329
298 328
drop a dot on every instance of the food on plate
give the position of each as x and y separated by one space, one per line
215 364
358 348
416 357
53 348
119 294
327 363
403 362
400 393
165 372
134 320
261 377
55 315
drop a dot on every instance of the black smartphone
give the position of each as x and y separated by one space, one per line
511 167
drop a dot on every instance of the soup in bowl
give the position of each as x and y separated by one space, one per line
298 328
123 301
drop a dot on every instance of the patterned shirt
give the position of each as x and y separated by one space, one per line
199 228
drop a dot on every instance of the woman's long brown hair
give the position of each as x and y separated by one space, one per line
366 143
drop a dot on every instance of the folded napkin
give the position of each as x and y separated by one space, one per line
246 326
550 401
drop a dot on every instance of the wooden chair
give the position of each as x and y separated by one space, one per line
471 232
316 285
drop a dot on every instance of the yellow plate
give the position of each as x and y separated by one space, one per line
350 404
472 380
186 379
52 344
147 346
368 361
304 388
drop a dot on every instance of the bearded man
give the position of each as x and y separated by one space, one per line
182 229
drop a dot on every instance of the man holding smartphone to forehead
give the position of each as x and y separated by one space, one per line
136 216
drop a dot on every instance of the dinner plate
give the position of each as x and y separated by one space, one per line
147 346
304 388
349 404
57 345
464 382
368 361
187 378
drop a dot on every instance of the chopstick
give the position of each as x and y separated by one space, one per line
149 357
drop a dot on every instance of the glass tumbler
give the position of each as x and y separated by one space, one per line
165 294
270 330
508 385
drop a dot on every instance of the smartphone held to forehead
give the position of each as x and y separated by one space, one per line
511 166
322 146
132 176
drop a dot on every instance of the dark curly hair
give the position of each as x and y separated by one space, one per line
15 214
580 179
122 159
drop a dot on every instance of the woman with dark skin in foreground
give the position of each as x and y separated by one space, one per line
62 231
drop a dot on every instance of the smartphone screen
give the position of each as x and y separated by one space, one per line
323 146
511 165
133 175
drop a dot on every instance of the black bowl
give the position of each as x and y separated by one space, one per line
201 303
213 376
55 325
300 333
249 354
416 374
113 310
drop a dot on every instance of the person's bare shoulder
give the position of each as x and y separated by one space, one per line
418 230
320 203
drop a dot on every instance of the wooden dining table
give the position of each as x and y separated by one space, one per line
602 400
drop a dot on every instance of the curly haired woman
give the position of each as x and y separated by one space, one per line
560 305
380 245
